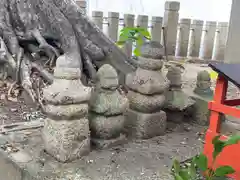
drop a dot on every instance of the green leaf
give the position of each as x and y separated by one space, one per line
176 166
139 42
177 177
202 162
232 140
218 147
224 170
123 37
132 33
215 139
184 174
192 170
120 43
144 32
137 52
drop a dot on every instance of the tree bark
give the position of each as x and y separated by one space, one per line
50 28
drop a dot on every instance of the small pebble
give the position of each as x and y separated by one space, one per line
183 143
90 161
14 110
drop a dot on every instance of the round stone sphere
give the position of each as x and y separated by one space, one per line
152 49
107 77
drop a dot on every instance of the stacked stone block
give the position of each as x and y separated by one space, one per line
178 104
106 108
147 85
66 132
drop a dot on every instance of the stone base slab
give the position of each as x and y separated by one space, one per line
103 127
108 143
66 140
175 116
145 126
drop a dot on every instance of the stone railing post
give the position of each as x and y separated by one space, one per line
82 4
113 22
220 41
156 28
97 17
128 22
195 38
207 42
142 21
170 23
232 52
182 38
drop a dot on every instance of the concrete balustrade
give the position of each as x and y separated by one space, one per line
170 23
182 38
195 38
207 42
113 23
128 22
156 28
97 17
142 21
82 4
232 52
220 41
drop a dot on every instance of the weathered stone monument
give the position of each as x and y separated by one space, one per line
147 85
177 102
203 85
202 95
106 108
66 132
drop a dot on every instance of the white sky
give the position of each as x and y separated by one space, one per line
215 10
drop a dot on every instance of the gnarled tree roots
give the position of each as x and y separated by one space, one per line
34 33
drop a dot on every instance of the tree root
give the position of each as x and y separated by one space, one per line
51 51
24 26
42 72
26 78
39 93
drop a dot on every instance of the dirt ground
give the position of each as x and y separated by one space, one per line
18 110
149 159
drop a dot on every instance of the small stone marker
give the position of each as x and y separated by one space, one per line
106 108
203 85
66 132
177 102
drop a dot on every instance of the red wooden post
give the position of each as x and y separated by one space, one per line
230 155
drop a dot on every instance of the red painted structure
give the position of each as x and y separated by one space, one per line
230 155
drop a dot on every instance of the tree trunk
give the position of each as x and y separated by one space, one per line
50 28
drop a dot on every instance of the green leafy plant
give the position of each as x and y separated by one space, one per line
136 35
200 163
